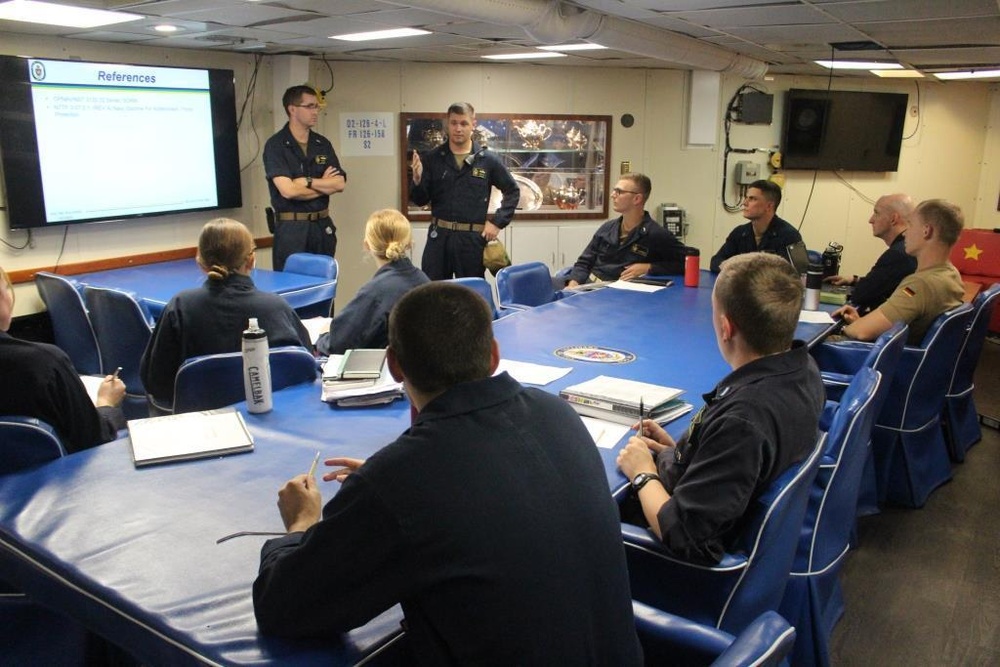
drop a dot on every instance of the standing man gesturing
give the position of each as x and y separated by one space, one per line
302 172
455 179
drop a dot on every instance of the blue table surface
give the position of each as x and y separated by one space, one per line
156 283
134 552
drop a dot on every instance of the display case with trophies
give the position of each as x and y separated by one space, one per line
559 161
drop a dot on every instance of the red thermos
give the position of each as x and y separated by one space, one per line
691 267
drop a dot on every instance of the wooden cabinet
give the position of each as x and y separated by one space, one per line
559 161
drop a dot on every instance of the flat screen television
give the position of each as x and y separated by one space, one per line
837 129
92 142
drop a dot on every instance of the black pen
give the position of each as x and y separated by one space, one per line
117 371
642 412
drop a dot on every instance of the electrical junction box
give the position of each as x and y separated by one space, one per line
747 172
756 108
673 219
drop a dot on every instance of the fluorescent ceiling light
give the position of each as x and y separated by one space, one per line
526 56
857 64
31 11
573 47
898 73
969 74
166 27
380 34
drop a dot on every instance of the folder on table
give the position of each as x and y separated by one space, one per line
188 436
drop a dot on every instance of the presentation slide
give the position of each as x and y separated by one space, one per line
122 139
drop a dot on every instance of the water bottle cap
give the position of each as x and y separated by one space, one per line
694 252
253 323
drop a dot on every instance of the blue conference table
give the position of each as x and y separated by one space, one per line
133 554
156 283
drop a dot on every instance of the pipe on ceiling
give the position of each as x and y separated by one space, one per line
555 22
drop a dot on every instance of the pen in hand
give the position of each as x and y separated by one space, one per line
312 468
642 414
117 372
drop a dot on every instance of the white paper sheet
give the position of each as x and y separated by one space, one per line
635 287
815 317
605 434
528 373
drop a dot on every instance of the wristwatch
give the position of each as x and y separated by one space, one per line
309 181
642 479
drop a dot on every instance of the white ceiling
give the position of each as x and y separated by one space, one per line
929 35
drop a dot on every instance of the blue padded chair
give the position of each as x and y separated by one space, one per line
813 600
483 288
745 583
123 326
26 442
524 286
216 380
672 640
911 457
838 362
322 266
960 419
29 633
71 326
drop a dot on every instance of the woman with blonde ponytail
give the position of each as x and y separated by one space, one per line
364 321
210 319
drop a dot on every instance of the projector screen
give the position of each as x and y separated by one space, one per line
91 142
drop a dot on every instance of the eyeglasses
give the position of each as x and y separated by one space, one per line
619 191
312 107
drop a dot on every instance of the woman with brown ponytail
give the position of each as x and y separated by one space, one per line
210 319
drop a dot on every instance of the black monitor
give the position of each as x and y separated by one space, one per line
91 142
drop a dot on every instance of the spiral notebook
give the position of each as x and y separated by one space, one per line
188 436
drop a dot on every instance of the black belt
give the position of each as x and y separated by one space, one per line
459 226
318 215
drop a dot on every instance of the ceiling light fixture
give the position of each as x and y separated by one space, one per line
380 34
526 56
573 47
968 74
857 64
165 27
47 13
898 73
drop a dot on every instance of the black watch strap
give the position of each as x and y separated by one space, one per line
642 479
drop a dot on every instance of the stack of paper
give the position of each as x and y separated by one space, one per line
357 392
619 400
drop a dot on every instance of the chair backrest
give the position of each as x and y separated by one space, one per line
482 287
770 541
884 357
216 380
71 325
923 374
311 264
833 498
26 442
123 326
968 357
668 639
525 285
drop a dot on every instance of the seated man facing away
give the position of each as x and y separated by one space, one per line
888 222
38 380
765 232
210 319
632 244
759 420
489 520
931 230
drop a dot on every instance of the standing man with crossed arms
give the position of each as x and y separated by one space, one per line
302 172
455 179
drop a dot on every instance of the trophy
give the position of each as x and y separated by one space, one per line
483 135
576 139
434 136
533 133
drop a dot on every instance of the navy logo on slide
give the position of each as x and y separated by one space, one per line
37 71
